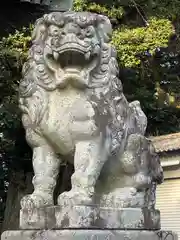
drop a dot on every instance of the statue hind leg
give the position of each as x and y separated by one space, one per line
46 168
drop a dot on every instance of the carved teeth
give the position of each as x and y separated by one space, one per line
56 55
87 55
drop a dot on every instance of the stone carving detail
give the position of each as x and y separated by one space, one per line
74 108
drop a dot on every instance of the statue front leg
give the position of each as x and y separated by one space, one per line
46 168
88 162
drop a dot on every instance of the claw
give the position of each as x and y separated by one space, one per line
73 198
36 201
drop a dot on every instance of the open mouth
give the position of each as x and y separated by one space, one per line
71 56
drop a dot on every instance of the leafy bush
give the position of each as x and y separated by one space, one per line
132 42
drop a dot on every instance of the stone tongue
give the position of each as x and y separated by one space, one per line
72 70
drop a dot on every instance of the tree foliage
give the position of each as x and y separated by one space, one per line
132 41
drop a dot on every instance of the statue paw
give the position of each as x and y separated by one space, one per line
36 201
73 198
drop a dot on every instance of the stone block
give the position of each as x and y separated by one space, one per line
42 218
84 216
88 235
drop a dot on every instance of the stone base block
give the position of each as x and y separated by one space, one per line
90 217
88 235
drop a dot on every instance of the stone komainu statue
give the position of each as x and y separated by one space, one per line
74 110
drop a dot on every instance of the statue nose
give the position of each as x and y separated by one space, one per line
71 29
70 37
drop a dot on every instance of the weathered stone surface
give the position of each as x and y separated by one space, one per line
42 218
74 109
76 217
89 217
88 235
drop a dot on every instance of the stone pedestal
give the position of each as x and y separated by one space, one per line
91 217
88 235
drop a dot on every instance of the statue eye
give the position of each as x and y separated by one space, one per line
53 31
90 31
62 33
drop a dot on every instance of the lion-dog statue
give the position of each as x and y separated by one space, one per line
74 109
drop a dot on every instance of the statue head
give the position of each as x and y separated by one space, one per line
71 47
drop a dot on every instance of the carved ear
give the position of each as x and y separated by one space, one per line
105 28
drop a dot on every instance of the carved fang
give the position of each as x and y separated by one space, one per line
87 55
55 55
